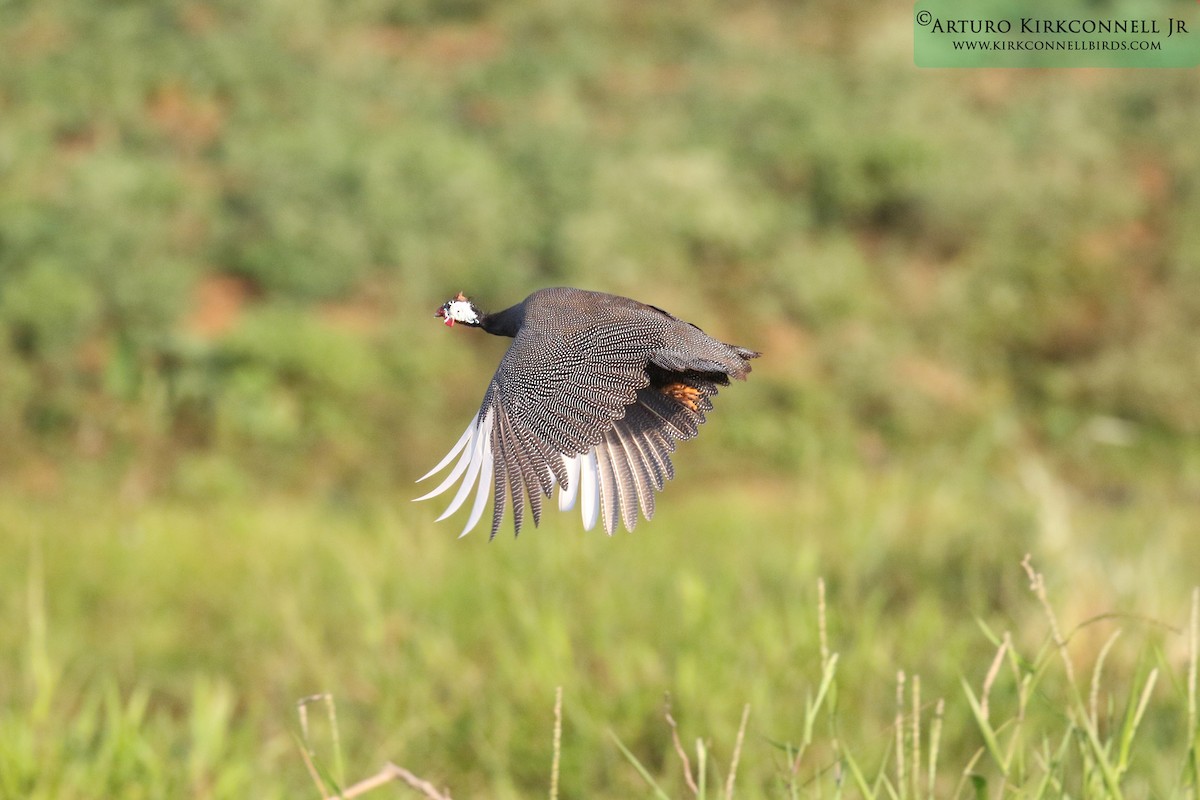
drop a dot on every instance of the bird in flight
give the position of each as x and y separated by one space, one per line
591 396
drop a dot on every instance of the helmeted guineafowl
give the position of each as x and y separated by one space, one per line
592 396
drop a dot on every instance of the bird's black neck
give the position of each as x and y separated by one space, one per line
504 323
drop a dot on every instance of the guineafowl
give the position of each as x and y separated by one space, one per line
592 395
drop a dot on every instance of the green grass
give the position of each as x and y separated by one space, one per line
160 649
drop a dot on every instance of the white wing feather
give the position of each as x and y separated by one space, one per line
474 449
483 434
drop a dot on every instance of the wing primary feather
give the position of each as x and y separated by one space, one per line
472 471
625 478
653 459
567 494
656 449
531 477
670 425
501 475
463 463
638 471
664 443
652 477
589 489
516 480
556 468
485 488
462 440
609 495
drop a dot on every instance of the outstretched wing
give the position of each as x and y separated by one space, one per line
551 402
634 457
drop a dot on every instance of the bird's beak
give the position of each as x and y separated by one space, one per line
441 313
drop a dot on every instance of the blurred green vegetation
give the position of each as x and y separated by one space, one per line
224 228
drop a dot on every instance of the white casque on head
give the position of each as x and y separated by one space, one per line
460 309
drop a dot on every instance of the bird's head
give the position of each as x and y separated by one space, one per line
459 309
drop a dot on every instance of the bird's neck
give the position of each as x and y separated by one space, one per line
503 323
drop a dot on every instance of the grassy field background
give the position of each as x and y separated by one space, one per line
224 228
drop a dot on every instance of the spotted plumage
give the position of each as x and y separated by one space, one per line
591 397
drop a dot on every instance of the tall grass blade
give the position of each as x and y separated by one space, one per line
646 776
985 729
